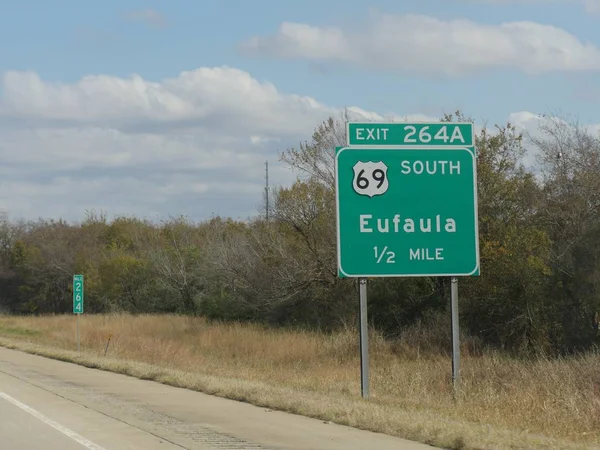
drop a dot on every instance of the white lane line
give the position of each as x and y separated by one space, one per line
57 426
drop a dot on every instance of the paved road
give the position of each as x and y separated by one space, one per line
52 405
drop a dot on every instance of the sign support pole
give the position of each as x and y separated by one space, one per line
455 334
77 333
364 340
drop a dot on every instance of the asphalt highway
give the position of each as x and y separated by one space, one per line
51 405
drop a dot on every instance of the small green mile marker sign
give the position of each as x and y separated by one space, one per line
78 294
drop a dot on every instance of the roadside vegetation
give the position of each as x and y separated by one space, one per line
258 303
505 402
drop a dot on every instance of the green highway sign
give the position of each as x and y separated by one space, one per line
411 135
407 212
78 294
406 204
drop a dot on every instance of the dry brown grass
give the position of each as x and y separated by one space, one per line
504 403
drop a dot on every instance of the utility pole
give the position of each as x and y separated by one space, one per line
267 190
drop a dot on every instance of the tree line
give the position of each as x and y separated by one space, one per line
539 242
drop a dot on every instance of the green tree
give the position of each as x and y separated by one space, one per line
569 155
173 251
506 305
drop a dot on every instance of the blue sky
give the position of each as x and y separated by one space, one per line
70 143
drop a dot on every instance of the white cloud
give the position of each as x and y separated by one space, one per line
591 6
424 44
193 98
531 125
194 144
531 122
148 16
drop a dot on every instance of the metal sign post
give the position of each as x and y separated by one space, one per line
364 340
77 333
455 334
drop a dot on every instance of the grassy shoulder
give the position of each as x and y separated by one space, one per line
504 403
